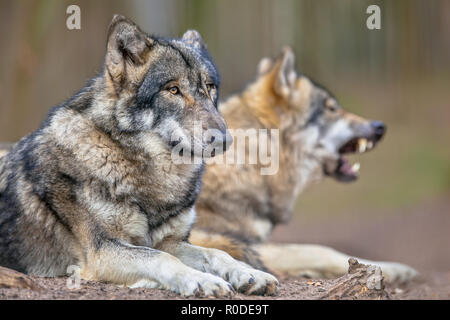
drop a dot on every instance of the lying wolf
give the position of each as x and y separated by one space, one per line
96 186
238 207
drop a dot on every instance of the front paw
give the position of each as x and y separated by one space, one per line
204 284
197 284
252 281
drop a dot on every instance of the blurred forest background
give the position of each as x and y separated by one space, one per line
399 209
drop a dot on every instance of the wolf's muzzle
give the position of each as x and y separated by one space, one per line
379 129
224 141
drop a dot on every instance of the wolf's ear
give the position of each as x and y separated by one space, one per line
264 66
127 44
193 38
285 74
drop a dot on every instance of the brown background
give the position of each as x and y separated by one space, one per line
399 209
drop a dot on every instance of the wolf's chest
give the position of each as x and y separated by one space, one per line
155 204
173 227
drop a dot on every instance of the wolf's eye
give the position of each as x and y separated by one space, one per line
210 87
330 105
332 108
174 90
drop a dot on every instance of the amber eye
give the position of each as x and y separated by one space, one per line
209 87
174 90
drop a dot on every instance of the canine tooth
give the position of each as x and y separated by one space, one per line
356 167
362 144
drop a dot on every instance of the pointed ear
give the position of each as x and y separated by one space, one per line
127 44
285 74
193 38
264 66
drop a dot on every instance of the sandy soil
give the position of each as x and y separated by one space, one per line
419 238
435 286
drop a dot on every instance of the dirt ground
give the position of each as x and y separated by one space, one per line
434 286
418 237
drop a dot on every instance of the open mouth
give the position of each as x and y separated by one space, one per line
346 171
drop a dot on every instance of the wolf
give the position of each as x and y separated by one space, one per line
5 147
95 186
238 207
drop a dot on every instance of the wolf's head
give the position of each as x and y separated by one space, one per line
312 120
160 87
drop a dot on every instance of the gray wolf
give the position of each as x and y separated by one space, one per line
238 207
96 187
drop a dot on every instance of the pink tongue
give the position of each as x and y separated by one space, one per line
346 168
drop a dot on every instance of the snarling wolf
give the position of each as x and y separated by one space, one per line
238 207
96 187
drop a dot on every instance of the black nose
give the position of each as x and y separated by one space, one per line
379 129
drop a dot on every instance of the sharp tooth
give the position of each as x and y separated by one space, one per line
369 145
356 167
362 144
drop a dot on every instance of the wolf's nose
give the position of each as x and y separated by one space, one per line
379 129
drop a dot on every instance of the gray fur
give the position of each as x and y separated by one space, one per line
95 185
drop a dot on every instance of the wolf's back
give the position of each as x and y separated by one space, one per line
33 238
10 212
5 148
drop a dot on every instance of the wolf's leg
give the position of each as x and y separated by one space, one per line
243 277
123 263
235 247
319 261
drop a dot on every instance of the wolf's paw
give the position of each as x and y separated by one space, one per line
394 271
203 285
252 281
196 284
